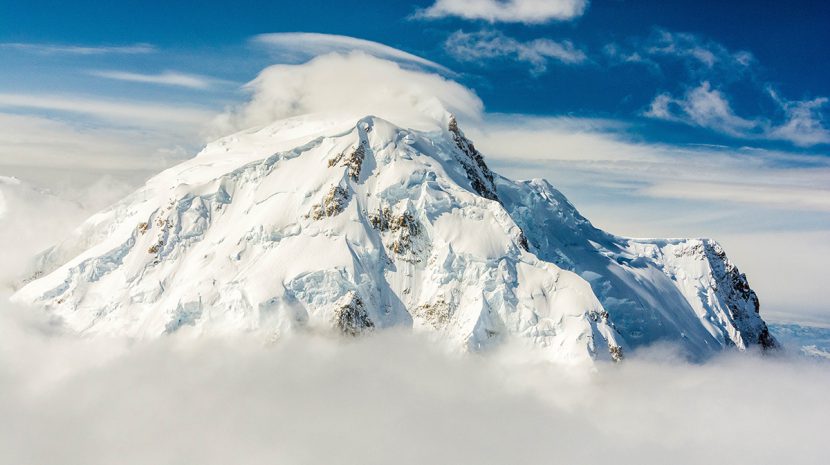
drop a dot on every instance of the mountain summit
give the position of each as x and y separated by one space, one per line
355 226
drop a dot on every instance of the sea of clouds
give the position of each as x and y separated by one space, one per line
392 397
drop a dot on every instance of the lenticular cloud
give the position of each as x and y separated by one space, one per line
354 84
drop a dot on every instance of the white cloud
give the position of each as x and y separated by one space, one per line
37 145
706 107
488 45
804 123
509 11
705 53
167 78
300 46
702 106
600 151
702 58
712 67
618 54
49 49
124 111
769 195
389 398
356 84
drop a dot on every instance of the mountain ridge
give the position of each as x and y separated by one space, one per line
328 223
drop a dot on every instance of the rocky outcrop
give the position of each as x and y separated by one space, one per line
350 315
353 161
401 231
333 203
732 288
480 176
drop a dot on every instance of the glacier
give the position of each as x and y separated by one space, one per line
349 225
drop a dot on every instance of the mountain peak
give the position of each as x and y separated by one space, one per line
359 225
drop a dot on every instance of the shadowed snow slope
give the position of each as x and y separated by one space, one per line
316 223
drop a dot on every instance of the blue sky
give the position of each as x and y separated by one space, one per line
689 119
783 44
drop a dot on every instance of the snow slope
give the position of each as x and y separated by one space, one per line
321 223
680 290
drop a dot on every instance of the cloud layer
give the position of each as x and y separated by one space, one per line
389 398
167 78
301 46
123 111
51 49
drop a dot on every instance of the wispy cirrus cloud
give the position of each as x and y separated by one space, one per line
300 46
494 45
707 107
701 57
167 78
36 146
509 11
697 52
603 151
702 106
804 124
53 49
124 111
709 73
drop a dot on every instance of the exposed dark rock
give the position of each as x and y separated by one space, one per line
732 287
353 161
480 176
155 247
404 228
616 353
350 316
333 203
523 242
437 314
598 316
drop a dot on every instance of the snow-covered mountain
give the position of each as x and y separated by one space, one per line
322 223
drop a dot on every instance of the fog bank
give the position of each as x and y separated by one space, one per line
391 397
